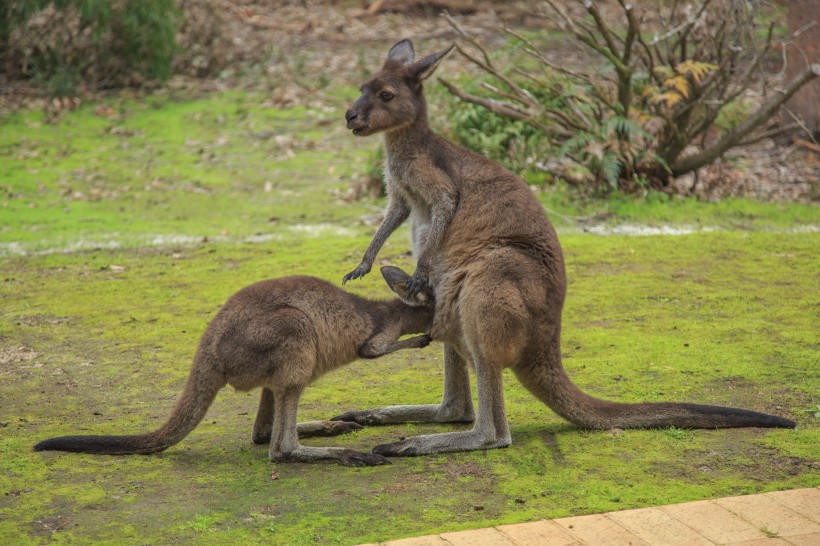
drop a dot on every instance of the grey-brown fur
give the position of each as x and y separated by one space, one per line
280 335
485 245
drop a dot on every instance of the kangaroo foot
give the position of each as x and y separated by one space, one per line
261 438
311 429
357 458
440 443
347 457
314 429
426 413
362 417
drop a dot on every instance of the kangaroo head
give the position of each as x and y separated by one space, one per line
397 281
393 98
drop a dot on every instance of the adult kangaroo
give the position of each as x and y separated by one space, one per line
280 335
486 246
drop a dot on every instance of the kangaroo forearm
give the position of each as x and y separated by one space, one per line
397 212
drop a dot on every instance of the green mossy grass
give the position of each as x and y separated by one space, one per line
104 292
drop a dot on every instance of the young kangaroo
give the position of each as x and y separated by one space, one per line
280 335
485 245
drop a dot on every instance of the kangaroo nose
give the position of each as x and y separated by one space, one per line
350 115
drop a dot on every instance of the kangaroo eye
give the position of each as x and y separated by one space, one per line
386 96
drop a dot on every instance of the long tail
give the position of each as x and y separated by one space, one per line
552 386
203 384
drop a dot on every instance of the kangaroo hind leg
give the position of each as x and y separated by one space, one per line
494 329
489 431
308 429
456 404
284 443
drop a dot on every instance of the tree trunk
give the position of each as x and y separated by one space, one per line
803 51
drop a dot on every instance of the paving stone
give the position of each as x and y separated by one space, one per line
764 511
804 501
805 540
539 533
762 542
713 522
429 540
479 537
599 529
794 516
658 527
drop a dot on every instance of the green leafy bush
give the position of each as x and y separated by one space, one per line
65 44
515 144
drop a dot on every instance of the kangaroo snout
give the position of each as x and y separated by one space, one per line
356 122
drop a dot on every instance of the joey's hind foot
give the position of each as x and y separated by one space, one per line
363 417
333 428
404 448
356 458
313 429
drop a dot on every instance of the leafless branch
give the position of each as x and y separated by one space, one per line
735 136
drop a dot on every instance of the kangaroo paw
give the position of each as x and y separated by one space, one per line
362 270
417 284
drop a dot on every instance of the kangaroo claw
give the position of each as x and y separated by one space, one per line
357 273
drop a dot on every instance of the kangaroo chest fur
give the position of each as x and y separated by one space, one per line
403 177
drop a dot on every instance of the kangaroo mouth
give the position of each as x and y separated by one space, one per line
360 131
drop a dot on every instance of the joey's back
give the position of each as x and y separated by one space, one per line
316 313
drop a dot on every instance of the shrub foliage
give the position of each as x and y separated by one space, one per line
63 44
664 95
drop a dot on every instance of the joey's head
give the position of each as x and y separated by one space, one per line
393 98
397 281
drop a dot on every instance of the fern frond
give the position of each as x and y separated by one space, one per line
578 142
611 168
679 84
695 69
671 98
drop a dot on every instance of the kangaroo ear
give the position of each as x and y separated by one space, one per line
397 281
425 67
402 52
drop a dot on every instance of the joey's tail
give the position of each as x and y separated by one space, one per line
552 386
200 391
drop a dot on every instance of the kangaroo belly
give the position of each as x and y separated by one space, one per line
419 230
